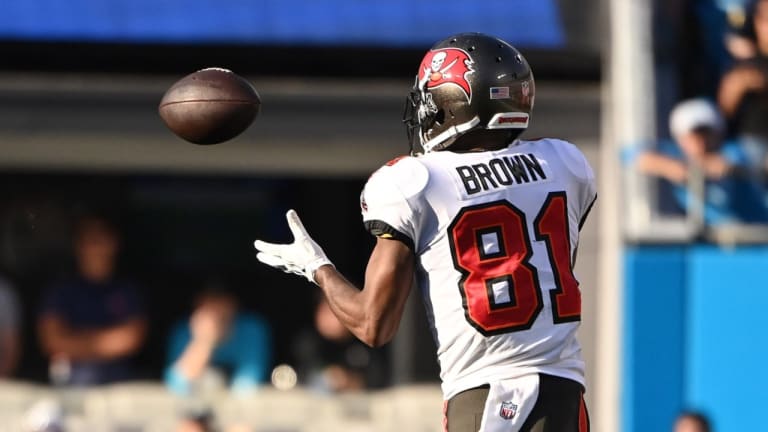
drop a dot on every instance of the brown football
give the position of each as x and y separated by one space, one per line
210 106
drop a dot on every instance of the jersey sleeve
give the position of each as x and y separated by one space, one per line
389 201
580 168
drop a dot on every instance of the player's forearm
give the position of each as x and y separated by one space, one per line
732 91
73 346
657 165
59 339
354 308
371 314
651 163
195 358
120 340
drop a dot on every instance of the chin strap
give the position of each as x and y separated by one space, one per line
448 136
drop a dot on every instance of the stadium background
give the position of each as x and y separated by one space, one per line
79 84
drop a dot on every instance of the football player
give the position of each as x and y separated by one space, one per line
488 224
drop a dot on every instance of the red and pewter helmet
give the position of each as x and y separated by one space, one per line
466 82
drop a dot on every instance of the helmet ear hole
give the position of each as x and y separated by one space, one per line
440 116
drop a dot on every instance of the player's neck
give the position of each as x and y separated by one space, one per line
482 148
482 140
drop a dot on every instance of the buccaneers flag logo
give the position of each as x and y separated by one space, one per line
446 66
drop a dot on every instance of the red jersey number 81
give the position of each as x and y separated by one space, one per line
500 288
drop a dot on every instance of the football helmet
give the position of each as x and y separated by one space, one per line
466 82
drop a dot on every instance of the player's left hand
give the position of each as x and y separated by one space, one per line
301 257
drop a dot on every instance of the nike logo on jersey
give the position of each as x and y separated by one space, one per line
501 172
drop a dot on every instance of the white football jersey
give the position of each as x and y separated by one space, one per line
495 235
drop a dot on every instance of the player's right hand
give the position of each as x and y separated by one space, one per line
302 257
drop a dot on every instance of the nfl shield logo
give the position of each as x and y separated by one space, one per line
508 410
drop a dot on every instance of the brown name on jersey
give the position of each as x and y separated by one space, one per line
500 172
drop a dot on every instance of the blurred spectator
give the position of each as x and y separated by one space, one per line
329 358
218 339
9 329
730 195
692 422
740 39
93 323
720 33
743 93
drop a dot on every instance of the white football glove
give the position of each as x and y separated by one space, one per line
301 257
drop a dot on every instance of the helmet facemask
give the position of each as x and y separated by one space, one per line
424 121
420 115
